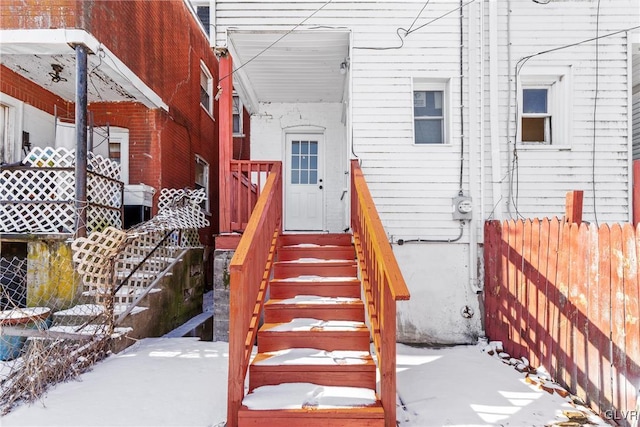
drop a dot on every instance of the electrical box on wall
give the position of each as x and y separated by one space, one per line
462 207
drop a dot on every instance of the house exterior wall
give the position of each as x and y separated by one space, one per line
543 175
164 45
413 185
274 118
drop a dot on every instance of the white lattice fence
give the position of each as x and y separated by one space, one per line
145 250
39 197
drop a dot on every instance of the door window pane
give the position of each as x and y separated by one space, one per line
304 162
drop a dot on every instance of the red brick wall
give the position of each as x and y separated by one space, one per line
20 88
159 41
41 14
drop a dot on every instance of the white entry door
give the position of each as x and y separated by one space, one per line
303 201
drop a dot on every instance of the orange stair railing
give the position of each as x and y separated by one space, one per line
250 269
382 282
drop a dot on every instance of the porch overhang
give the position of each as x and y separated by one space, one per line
36 54
303 66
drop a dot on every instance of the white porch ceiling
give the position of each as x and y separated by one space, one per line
34 53
304 66
100 86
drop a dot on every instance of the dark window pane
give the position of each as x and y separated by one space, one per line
428 132
313 162
295 147
304 162
295 177
295 162
313 148
304 177
304 147
203 15
533 129
236 123
428 103
204 98
534 101
313 177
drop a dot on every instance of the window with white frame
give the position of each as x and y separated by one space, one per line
202 180
237 116
430 121
544 106
206 88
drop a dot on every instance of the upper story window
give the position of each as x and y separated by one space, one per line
237 116
202 180
544 106
203 15
430 115
206 89
202 11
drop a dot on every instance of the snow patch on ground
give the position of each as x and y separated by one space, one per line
183 382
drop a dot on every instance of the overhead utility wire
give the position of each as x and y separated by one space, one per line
518 68
413 30
276 41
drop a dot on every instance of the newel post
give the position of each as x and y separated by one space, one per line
573 207
225 139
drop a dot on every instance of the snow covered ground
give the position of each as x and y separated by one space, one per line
183 382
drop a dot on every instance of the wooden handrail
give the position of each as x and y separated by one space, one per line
382 282
250 269
247 179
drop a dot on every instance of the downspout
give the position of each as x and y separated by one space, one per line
472 52
81 140
496 166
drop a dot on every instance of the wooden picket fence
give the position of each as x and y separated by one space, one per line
566 296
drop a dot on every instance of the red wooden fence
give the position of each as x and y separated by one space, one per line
566 296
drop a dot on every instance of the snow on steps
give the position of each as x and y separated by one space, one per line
311 405
321 334
314 366
321 367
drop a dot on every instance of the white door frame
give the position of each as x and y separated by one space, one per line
320 135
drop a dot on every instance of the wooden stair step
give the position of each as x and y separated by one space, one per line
287 288
311 239
367 416
311 405
286 269
346 368
308 332
288 253
312 306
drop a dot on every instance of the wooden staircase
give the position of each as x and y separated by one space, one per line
314 366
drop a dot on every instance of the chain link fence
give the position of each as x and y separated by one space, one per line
64 303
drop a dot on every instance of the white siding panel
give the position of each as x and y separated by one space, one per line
636 124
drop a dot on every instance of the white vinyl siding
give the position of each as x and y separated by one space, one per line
413 184
543 174
636 126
